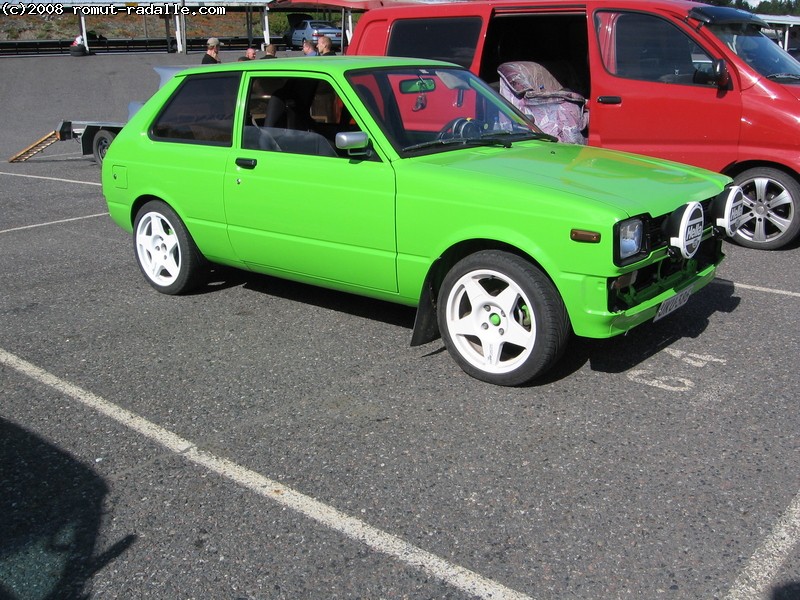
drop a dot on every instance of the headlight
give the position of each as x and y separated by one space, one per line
630 237
727 209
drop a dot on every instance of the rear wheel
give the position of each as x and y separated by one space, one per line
770 219
165 251
501 318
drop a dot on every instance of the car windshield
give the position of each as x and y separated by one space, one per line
322 25
426 110
758 51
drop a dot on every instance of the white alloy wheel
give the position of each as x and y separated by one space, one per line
501 318
165 251
489 321
158 249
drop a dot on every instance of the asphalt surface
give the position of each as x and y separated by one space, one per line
262 439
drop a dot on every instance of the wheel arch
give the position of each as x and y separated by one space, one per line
426 328
738 168
144 199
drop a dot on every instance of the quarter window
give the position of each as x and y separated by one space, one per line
200 111
454 40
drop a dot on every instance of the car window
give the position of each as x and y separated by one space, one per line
649 48
324 24
298 115
451 39
200 111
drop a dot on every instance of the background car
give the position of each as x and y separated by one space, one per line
312 29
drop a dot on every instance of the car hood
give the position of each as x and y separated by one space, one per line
635 184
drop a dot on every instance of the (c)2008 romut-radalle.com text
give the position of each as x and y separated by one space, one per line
19 9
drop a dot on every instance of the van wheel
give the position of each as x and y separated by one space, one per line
770 219
501 318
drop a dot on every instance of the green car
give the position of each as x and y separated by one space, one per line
413 181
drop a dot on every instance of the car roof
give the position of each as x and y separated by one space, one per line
334 65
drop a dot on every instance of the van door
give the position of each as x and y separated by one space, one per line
653 94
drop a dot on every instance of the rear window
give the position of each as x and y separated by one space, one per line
451 39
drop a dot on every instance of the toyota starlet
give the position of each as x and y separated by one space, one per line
413 181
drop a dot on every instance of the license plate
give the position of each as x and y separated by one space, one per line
672 304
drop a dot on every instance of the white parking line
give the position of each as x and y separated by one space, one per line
50 178
380 541
755 288
52 223
762 568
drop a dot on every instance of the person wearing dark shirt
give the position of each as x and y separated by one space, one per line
211 57
324 46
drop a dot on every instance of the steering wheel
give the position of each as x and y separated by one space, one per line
460 127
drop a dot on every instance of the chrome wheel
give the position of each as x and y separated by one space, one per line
770 216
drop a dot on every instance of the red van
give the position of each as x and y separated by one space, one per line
689 82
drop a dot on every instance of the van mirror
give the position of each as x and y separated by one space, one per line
720 74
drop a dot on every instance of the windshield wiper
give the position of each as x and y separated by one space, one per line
783 76
495 138
458 141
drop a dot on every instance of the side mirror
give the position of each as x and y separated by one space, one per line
355 142
720 74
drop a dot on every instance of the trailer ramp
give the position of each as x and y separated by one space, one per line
36 147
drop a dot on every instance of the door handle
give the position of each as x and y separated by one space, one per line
609 100
246 163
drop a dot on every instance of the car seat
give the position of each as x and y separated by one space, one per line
537 93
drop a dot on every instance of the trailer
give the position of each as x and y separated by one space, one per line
94 136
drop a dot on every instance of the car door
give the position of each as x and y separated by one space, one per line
294 204
652 93
299 33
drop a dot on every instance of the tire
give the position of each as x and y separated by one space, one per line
102 140
501 318
770 219
165 251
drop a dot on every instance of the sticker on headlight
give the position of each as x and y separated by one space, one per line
687 229
728 209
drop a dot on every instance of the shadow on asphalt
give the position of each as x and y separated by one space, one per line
614 355
789 591
50 514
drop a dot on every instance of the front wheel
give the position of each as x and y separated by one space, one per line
165 251
501 318
770 219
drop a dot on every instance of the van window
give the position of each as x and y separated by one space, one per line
648 48
454 40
